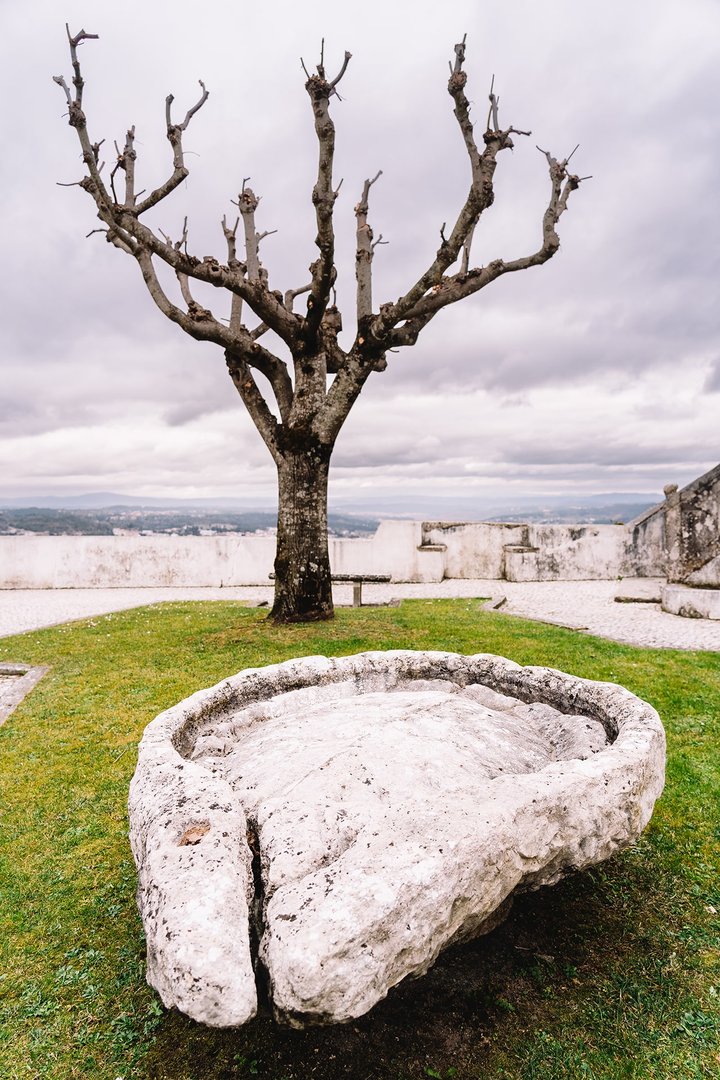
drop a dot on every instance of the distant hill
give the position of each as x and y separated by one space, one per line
51 521
100 513
108 500
551 509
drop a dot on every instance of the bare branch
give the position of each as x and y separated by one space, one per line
230 236
60 80
76 119
364 255
125 161
292 293
323 195
262 235
459 56
494 102
198 323
234 264
174 135
254 402
465 265
247 204
127 231
452 289
264 303
479 198
191 112
343 69
78 82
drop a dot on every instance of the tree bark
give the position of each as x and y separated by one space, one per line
303 589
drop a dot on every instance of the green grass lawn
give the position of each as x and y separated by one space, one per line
612 973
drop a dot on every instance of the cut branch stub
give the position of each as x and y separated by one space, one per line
247 203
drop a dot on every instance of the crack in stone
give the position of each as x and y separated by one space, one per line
256 923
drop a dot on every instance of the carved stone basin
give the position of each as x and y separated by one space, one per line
312 833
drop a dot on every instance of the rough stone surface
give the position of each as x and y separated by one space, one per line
335 824
16 682
691 602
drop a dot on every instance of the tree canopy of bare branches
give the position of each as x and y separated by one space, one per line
313 394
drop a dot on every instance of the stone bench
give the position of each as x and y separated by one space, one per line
358 580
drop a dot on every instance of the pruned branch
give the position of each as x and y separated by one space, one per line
181 245
76 119
77 74
234 264
480 197
200 324
364 254
126 231
125 162
174 134
323 195
346 60
467 282
254 402
247 204
465 264
291 294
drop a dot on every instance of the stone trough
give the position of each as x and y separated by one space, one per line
309 834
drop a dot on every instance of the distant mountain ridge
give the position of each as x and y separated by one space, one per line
550 509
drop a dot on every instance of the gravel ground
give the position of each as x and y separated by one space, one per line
581 605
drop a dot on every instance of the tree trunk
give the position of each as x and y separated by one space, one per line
303 590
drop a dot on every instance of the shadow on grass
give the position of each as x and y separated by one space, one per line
575 959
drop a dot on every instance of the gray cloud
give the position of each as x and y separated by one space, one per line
712 383
626 307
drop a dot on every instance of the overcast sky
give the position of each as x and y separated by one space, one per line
598 372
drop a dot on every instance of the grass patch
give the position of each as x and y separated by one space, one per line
614 973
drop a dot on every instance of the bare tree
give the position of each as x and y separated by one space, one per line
309 400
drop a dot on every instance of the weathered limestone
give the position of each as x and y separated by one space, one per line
691 601
334 824
16 682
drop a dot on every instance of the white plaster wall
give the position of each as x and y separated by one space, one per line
474 549
646 553
531 552
102 562
106 562
404 550
578 552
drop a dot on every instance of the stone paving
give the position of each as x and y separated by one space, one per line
586 606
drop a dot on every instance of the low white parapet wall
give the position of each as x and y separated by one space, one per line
693 603
108 562
409 551
528 552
